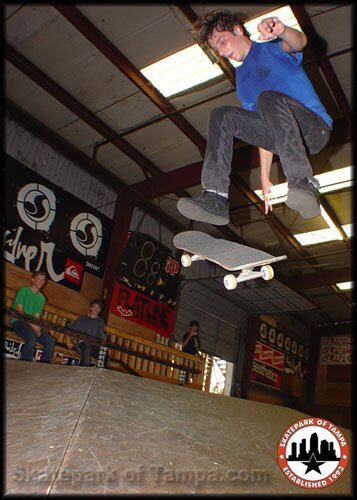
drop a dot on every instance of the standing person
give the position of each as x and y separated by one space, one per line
30 301
191 340
281 114
90 324
190 344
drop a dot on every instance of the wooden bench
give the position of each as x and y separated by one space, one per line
133 354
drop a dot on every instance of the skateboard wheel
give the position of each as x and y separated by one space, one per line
230 282
186 260
267 272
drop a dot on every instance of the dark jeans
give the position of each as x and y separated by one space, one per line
25 330
88 350
282 125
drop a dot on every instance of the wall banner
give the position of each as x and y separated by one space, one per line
50 229
336 350
129 304
265 375
149 267
295 354
269 356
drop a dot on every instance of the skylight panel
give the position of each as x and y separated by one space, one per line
345 285
180 71
333 180
323 235
329 181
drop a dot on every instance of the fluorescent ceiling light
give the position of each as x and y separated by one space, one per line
285 14
323 235
335 179
180 71
346 285
329 181
348 229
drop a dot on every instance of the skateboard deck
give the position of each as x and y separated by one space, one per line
227 254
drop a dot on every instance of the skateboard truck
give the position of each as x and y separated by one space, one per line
230 281
187 259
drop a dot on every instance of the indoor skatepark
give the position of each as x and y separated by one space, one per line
98 156
76 430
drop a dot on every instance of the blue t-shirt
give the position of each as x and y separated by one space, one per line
268 67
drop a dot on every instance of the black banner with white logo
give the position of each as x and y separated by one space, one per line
50 229
149 267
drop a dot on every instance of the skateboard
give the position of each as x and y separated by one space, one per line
227 254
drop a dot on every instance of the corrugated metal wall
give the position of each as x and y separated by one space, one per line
46 161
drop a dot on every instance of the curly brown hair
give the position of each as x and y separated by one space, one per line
98 302
221 20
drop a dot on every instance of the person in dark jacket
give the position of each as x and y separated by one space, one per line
90 324
191 340
190 344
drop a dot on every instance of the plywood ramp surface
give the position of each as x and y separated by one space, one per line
76 430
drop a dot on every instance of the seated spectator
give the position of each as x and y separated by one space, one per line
30 301
90 324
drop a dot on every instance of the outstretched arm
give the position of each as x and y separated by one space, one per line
292 39
266 159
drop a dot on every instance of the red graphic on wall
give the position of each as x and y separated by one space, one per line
269 356
73 271
265 375
133 306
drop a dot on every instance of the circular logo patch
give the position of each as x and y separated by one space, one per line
313 453
86 234
36 205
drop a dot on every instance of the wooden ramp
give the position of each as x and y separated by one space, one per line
76 430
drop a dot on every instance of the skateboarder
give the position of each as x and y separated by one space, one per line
281 114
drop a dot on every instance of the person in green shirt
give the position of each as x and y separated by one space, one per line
30 301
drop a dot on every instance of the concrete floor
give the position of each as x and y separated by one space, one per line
76 430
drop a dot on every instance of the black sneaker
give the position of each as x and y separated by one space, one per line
208 207
303 196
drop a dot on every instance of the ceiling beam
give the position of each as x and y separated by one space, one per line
96 37
318 279
323 61
335 328
67 100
